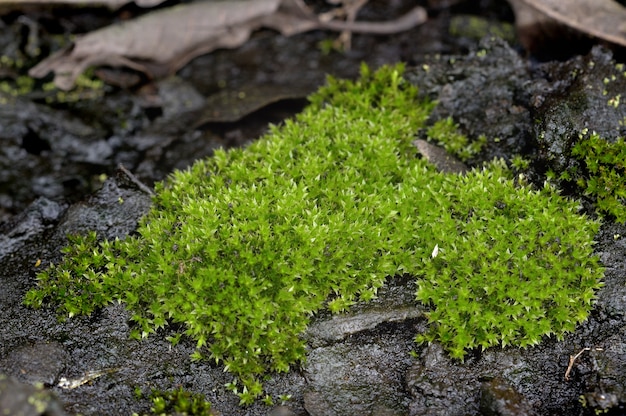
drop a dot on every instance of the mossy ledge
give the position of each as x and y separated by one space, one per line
242 248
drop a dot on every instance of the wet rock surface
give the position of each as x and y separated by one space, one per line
40 215
360 375
24 399
41 363
486 92
359 363
586 99
497 397
358 358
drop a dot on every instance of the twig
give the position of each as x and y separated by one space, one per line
133 179
349 9
573 358
412 18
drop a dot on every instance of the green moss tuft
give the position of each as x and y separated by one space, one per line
519 264
179 402
604 173
244 247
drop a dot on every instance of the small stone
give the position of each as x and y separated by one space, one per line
498 398
27 400
36 363
442 160
281 411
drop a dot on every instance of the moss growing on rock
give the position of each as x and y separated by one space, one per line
603 175
514 264
242 248
179 402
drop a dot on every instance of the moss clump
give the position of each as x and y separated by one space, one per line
603 175
242 248
179 402
519 266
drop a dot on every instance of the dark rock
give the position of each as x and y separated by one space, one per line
112 212
498 398
440 386
357 359
281 411
582 94
359 376
54 150
340 327
486 93
31 223
604 372
19 399
41 362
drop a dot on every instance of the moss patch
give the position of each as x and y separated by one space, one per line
242 248
515 269
179 402
603 173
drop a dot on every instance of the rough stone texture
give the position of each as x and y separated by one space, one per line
361 374
498 398
23 399
67 144
577 95
111 212
486 92
41 362
339 327
39 216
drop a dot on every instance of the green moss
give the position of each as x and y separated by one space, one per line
86 87
603 174
243 248
520 264
519 163
18 85
474 27
179 402
446 133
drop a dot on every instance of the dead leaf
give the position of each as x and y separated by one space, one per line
603 19
161 42
7 5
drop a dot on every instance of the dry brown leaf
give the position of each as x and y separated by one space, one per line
603 19
161 42
112 4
